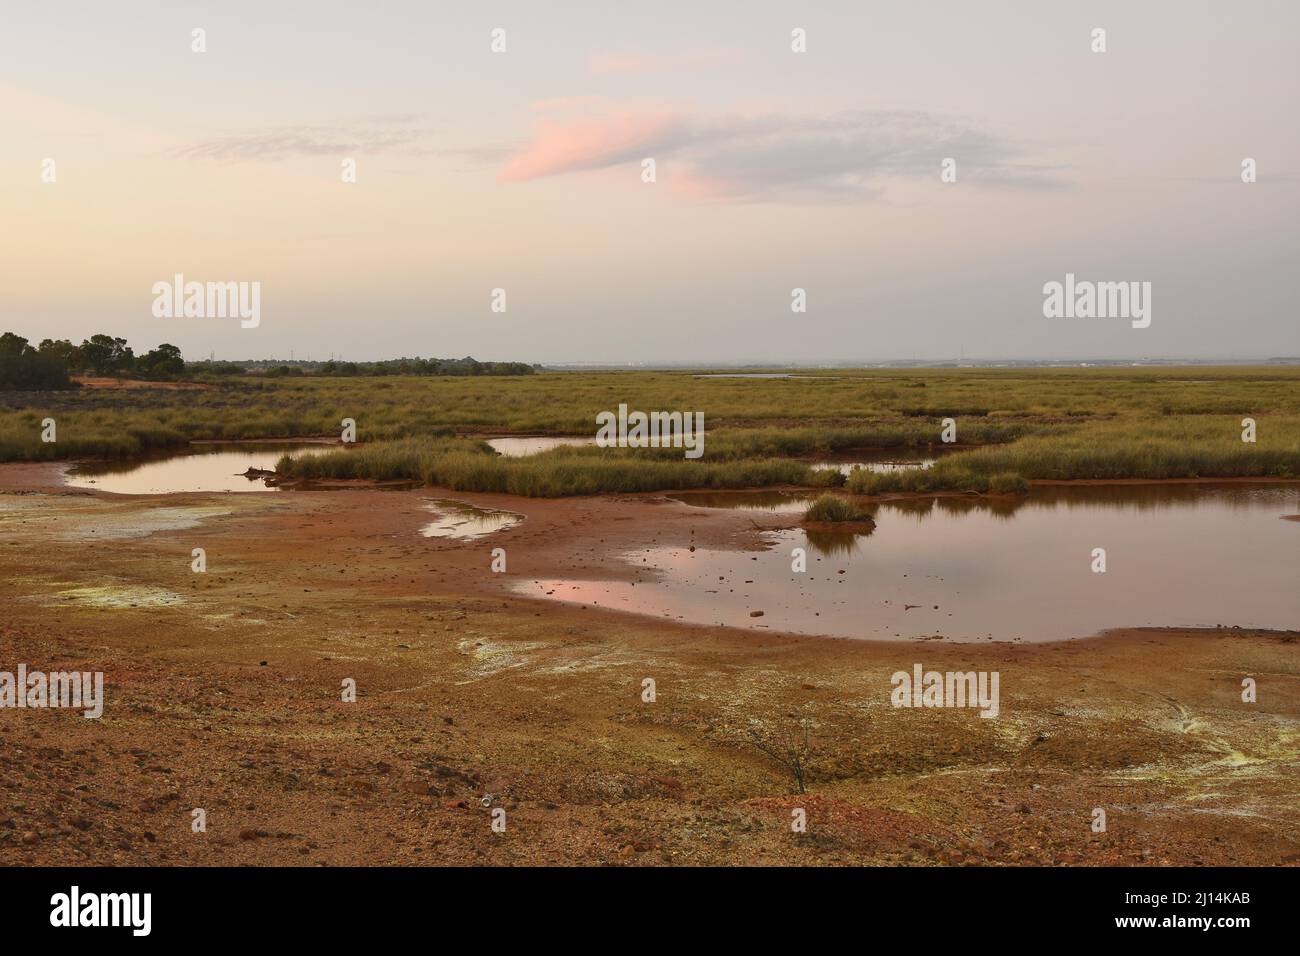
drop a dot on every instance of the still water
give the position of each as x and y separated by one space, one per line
206 467
463 521
988 569
519 447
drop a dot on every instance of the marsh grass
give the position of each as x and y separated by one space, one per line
1159 448
828 440
836 508
1020 424
465 465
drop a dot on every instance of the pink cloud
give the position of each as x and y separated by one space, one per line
844 156
568 146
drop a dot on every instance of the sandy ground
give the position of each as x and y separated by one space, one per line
224 693
91 381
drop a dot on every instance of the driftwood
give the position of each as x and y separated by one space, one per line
270 477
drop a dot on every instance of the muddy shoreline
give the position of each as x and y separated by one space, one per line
223 693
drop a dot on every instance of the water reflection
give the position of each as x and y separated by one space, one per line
879 460
519 447
1123 498
1013 568
884 459
218 466
831 542
781 502
463 521
922 508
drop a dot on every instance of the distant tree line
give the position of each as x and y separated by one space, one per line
431 366
52 364
341 369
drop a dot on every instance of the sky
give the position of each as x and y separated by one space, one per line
774 170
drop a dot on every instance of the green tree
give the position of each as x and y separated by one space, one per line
64 351
165 360
23 367
107 355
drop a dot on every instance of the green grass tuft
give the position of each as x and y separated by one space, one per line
836 508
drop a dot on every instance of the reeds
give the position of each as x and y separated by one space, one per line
1158 448
1029 424
836 508
466 465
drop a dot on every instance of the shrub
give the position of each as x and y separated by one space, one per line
836 508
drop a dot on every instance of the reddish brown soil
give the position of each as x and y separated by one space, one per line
223 693
90 381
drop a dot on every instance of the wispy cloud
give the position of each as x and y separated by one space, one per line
569 146
842 156
380 134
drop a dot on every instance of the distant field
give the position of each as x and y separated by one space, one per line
1046 423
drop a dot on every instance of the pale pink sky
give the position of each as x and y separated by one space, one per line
774 170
